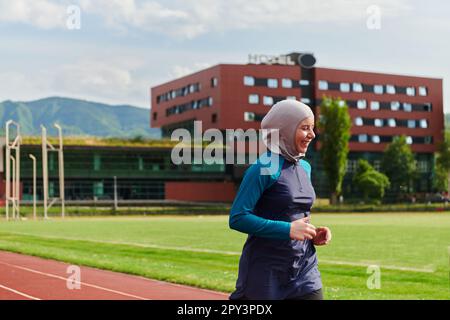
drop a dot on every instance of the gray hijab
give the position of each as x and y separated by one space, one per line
285 116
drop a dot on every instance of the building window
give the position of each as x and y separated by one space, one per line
422 166
409 140
390 89
359 121
98 189
423 124
428 140
155 116
361 104
341 103
214 118
323 85
378 89
249 116
410 91
423 91
51 161
376 139
267 101
411 123
97 162
357 87
407 107
427 107
272 83
374 105
286 83
362 138
249 81
214 82
192 88
210 101
253 99
345 87
291 98
395 105
391 122
304 82
378 122
377 165
352 165
305 100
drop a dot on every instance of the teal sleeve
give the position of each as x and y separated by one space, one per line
307 167
242 216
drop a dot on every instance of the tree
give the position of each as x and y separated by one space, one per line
399 165
334 126
442 169
371 182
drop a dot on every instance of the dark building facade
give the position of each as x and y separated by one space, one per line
381 106
139 172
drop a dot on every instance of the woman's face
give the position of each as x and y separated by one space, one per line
304 134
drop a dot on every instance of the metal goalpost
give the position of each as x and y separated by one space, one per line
13 162
46 147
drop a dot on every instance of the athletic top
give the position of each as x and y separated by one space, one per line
272 265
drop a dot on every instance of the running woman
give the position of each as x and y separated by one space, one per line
279 258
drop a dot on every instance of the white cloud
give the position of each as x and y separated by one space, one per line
178 71
109 80
188 19
104 80
93 75
21 86
44 14
146 15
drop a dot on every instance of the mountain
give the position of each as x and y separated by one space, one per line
78 118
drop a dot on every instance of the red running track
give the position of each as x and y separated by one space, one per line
24 277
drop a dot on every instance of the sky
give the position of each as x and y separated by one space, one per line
114 51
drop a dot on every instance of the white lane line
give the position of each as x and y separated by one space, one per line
185 286
77 282
366 264
19 293
426 269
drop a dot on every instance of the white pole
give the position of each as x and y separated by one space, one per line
61 170
44 169
34 185
115 193
7 167
15 199
18 172
13 161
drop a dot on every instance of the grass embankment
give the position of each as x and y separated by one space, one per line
411 250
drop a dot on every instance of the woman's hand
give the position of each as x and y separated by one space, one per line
323 236
301 229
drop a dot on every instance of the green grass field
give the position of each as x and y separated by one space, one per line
412 250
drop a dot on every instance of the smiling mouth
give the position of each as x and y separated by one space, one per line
305 143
